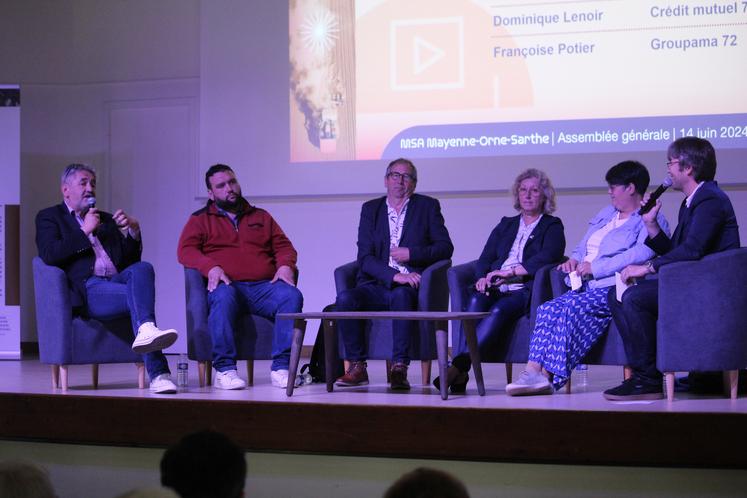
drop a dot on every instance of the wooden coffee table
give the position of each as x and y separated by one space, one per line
329 320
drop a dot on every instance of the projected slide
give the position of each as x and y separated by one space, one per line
375 79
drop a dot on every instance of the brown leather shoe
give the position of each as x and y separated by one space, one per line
398 377
357 375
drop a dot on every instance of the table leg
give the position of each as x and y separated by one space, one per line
299 329
442 346
330 352
470 335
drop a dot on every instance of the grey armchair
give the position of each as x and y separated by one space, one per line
253 343
703 317
514 346
65 339
433 295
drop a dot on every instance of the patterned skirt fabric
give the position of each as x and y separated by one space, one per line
566 329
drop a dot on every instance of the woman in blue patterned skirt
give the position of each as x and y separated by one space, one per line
568 326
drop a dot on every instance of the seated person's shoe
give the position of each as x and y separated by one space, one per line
150 338
161 384
228 380
357 375
633 389
279 378
398 377
456 380
528 384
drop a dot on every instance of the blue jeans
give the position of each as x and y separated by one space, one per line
505 309
131 292
228 302
375 297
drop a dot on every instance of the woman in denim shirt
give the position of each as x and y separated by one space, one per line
568 326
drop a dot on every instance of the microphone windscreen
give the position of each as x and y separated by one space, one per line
667 181
91 202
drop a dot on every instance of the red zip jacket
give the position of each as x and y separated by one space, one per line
251 252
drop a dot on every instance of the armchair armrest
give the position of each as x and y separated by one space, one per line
459 277
54 313
433 294
713 338
345 276
197 308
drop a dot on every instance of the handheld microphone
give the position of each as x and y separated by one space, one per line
91 202
655 195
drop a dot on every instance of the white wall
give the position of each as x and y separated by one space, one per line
117 84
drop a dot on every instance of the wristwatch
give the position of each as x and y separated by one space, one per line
650 266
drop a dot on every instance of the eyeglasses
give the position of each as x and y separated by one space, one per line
672 161
400 176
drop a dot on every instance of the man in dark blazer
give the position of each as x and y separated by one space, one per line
706 224
399 235
100 254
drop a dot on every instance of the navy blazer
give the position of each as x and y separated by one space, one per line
709 225
60 242
546 244
423 233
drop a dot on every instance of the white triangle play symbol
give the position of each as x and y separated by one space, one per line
424 54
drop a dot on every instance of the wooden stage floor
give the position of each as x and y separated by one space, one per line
581 428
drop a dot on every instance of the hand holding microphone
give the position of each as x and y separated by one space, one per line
91 218
651 202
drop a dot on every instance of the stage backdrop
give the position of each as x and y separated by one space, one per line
10 162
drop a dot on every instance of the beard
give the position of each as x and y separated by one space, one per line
230 206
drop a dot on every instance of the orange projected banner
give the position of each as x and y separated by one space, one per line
375 79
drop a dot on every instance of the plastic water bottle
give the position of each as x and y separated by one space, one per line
303 379
582 375
182 372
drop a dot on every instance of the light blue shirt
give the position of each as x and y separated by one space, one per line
621 247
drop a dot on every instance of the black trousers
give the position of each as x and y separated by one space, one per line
636 319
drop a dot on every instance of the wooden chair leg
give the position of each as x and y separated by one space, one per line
509 373
250 372
140 375
55 376
63 377
95 375
209 373
388 371
568 386
669 380
425 368
731 383
627 372
201 367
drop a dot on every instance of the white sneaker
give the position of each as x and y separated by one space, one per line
151 338
279 379
162 385
228 380
529 383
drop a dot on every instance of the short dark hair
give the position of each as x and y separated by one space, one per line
215 168
205 463
73 168
402 160
427 483
628 172
698 153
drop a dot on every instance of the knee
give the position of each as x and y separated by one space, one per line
346 301
224 296
403 298
292 298
143 268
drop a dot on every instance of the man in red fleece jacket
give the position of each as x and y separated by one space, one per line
249 264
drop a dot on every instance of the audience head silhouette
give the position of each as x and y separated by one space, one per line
427 483
204 464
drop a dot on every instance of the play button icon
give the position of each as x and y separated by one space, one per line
424 54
